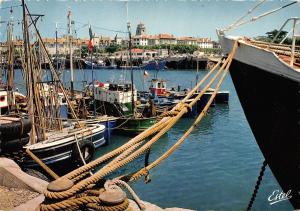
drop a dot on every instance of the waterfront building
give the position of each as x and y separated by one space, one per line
17 44
140 40
153 40
187 41
63 45
137 53
204 43
101 41
167 39
117 40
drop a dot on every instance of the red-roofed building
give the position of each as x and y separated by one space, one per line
153 40
187 41
167 39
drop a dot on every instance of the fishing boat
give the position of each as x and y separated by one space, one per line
51 139
67 145
81 99
154 65
14 125
119 100
115 99
165 99
266 77
98 65
95 65
148 65
110 122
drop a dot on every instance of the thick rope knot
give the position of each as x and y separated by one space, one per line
170 113
117 183
187 106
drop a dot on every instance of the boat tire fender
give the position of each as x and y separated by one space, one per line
87 149
15 129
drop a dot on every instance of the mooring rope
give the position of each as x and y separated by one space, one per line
109 183
145 171
137 146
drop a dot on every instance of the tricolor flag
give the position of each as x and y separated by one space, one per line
90 44
146 74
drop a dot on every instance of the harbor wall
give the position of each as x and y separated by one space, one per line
14 180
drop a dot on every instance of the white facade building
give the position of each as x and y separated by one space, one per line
140 40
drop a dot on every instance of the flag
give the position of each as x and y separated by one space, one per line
156 65
146 74
90 44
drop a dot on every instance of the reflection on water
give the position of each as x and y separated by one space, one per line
215 168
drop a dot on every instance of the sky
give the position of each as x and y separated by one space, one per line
197 18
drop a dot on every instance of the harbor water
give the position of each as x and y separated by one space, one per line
216 168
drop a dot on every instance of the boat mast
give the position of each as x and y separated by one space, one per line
52 69
71 53
131 69
197 74
10 66
56 49
28 70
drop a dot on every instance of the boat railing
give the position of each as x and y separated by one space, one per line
295 21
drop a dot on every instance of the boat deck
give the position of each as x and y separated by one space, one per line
281 50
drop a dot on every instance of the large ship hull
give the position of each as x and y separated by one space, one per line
269 93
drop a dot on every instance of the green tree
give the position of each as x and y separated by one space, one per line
271 35
112 48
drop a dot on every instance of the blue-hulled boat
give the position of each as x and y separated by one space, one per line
110 123
155 65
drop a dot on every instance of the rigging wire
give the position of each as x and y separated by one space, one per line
105 29
261 16
10 7
244 16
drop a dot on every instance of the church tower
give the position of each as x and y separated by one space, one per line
140 29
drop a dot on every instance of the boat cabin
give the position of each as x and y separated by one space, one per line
114 92
158 87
